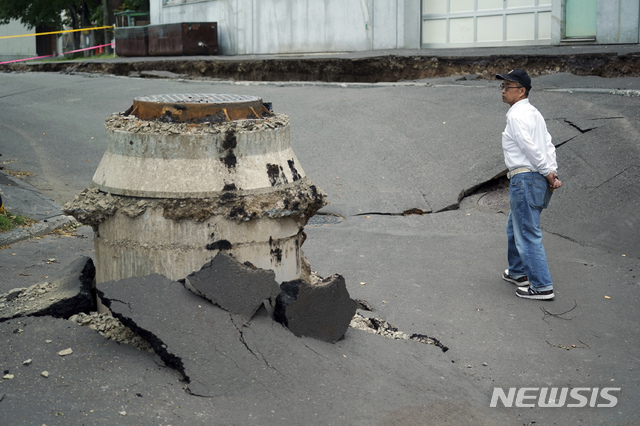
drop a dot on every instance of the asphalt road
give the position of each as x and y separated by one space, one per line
379 150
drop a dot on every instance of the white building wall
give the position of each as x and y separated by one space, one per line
297 26
618 22
19 47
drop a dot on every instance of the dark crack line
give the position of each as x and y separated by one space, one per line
562 143
564 237
19 93
423 338
244 342
247 373
577 127
190 392
408 212
123 302
484 187
452 207
611 178
159 347
313 350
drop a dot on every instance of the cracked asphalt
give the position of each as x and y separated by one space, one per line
430 145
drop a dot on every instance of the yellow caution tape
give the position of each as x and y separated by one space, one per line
59 32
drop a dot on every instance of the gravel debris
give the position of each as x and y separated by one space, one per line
133 124
112 329
383 328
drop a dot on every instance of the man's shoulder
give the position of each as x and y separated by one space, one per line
521 108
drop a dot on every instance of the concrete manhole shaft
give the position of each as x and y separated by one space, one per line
168 195
198 107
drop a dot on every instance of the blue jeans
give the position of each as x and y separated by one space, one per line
529 193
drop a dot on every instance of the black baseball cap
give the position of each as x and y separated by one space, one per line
517 75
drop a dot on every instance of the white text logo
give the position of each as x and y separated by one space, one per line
555 397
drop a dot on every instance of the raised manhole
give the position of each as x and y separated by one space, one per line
193 107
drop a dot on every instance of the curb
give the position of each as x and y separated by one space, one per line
618 92
47 213
40 228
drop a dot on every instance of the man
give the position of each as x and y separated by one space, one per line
531 159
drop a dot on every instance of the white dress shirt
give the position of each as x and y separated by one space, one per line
526 141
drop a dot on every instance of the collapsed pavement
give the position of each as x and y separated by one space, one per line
373 69
247 202
67 295
479 326
193 325
259 373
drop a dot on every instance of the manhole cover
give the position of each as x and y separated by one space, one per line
325 219
497 199
190 107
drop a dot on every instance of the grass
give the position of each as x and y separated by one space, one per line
80 58
9 221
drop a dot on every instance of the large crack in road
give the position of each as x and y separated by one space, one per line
388 68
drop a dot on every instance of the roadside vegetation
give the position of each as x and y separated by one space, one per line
9 221
81 58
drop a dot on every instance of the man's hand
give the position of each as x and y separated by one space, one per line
552 179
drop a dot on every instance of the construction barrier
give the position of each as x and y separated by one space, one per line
97 47
58 32
62 54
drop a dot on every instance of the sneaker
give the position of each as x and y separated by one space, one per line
521 282
530 293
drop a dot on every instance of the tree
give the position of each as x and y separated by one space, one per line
50 14
33 13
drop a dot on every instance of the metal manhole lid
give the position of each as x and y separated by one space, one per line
198 106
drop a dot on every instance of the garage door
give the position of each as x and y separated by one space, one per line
479 23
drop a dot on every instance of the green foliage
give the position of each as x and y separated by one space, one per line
9 221
49 13
33 13
135 5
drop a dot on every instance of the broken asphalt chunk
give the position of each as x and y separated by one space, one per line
200 340
322 310
235 287
63 297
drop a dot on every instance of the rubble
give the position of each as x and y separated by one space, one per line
206 125
220 350
62 297
92 206
383 328
322 310
111 328
237 288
